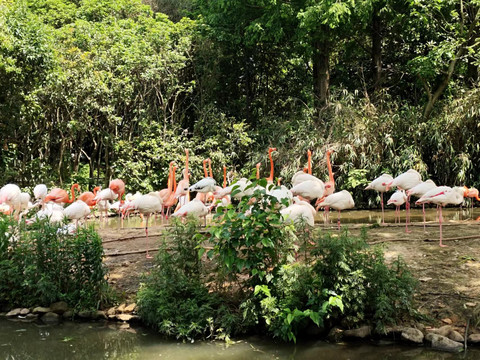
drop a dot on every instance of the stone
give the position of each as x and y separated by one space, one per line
456 336
447 321
101 315
41 310
24 311
14 312
121 308
126 264
111 311
87 314
444 330
59 307
130 308
68 314
471 304
421 327
50 318
474 338
112 317
124 317
124 326
412 335
394 331
359 333
439 342
335 335
31 317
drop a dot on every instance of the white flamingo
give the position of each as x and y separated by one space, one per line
398 198
420 190
380 185
339 201
299 211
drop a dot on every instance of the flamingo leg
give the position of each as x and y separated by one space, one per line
441 220
338 220
383 211
148 256
423 210
407 215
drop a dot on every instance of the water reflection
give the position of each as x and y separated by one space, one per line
22 341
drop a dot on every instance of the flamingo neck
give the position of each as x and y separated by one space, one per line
169 179
309 162
205 172
329 165
95 189
258 171
173 181
72 190
210 167
224 177
270 178
187 176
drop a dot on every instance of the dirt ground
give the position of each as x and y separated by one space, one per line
449 278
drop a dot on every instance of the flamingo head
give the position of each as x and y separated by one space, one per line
117 186
330 151
270 150
389 185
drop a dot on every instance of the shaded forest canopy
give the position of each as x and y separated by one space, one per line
95 89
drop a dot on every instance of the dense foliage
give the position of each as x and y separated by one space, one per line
44 265
91 90
250 278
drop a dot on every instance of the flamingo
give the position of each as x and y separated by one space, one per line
10 195
102 200
309 162
51 211
76 211
270 178
118 187
309 189
40 192
299 211
339 201
301 176
171 200
60 196
473 194
420 190
380 185
194 207
182 193
147 205
330 184
88 198
281 192
406 181
398 198
442 196
165 193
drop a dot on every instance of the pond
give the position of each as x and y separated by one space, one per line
347 217
71 340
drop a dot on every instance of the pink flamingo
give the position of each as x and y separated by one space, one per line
339 201
380 185
270 178
420 190
60 196
398 198
118 187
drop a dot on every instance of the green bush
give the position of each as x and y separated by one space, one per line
43 265
370 289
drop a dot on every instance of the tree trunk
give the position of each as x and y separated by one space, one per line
321 73
376 49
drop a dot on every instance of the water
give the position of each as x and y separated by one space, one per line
22 341
347 217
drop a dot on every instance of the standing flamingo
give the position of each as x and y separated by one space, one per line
398 198
339 201
194 207
171 200
182 193
77 211
472 193
406 181
330 184
147 205
9 194
442 196
299 211
420 190
40 192
380 185
118 187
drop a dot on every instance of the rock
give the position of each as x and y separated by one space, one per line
68 314
447 321
112 317
471 304
126 264
439 342
456 336
124 326
31 317
444 330
412 335
360 333
50 318
24 311
124 317
421 327
59 307
87 314
121 308
41 310
14 312
101 315
474 338
335 335
394 331
425 279
111 311
130 308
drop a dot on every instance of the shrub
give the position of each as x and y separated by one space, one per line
44 265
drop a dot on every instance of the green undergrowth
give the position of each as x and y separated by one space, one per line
251 273
42 264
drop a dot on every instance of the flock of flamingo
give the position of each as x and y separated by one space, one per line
295 202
